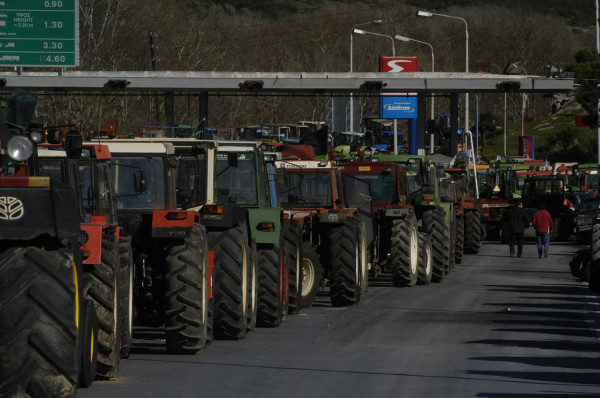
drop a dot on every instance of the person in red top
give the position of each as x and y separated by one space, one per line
542 222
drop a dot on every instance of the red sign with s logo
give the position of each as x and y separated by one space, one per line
398 64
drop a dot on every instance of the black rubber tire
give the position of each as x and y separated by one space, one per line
231 284
363 253
474 232
312 274
293 252
125 294
404 251
435 226
585 269
595 243
270 289
459 239
425 259
594 264
89 359
100 284
252 312
186 296
345 264
450 230
39 333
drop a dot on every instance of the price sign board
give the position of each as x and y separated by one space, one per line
39 33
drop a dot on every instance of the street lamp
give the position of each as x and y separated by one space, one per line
373 22
403 38
427 14
364 32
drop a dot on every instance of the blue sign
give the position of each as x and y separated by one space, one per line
397 107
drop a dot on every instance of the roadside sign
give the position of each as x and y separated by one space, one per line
39 33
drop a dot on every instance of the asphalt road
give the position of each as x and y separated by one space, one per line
496 327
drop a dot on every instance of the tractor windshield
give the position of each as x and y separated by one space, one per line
306 188
139 183
236 178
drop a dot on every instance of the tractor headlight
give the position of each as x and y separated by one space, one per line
36 136
20 148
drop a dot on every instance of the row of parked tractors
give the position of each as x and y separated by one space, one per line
206 239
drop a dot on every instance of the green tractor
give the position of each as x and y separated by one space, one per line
435 212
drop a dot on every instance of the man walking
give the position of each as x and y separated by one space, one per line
542 222
518 222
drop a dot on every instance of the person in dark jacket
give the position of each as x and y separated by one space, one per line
518 222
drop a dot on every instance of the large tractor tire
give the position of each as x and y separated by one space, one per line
293 252
435 226
38 335
87 345
425 259
459 239
252 294
404 249
231 289
363 253
594 264
100 285
450 230
186 295
312 273
473 232
270 287
345 264
125 294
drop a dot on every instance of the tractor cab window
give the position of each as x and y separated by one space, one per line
383 187
139 182
191 181
307 188
236 178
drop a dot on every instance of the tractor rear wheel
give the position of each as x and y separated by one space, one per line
473 232
345 264
89 342
252 292
186 294
594 263
293 252
435 226
459 239
38 299
404 258
312 273
100 284
232 282
270 289
425 259
125 294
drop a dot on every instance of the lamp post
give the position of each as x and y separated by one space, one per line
373 22
403 38
427 14
364 32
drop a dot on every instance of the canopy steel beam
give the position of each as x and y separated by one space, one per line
284 82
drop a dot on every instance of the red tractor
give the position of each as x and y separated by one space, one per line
397 245
334 228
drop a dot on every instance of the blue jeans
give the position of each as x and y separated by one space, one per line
543 239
